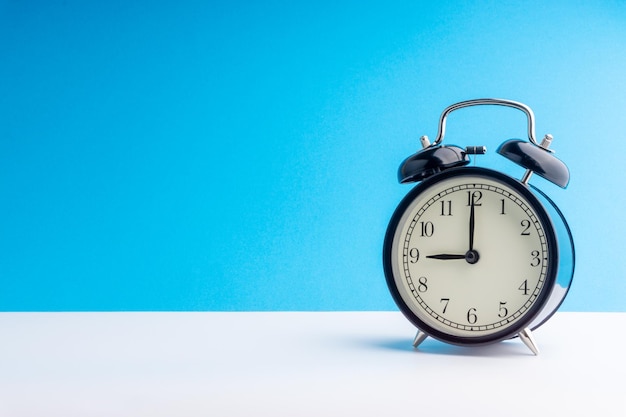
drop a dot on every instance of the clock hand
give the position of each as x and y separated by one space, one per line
471 256
471 227
446 256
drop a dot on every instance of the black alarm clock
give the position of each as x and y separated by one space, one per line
472 255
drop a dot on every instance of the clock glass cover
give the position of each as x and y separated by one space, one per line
470 256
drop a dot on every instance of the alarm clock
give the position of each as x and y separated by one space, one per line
472 255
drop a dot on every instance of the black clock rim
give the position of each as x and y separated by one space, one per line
551 273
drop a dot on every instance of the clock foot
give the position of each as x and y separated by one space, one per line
419 338
529 340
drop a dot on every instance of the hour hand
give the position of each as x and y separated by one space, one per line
446 256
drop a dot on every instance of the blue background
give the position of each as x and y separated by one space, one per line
231 155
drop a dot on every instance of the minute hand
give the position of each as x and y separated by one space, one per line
471 227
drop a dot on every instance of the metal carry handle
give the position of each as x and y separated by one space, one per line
487 101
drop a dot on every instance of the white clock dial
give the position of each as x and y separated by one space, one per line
471 256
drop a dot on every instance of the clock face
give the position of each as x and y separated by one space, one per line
470 256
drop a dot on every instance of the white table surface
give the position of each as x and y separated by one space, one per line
300 364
